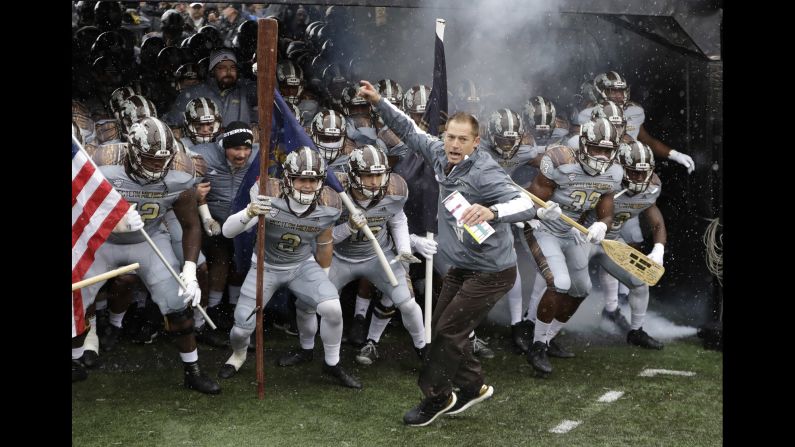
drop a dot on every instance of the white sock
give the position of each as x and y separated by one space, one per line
77 353
307 328
91 342
101 305
412 321
189 357
515 300
638 303
234 294
539 287
237 358
610 287
540 333
361 306
214 298
554 328
239 338
115 319
330 330
377 327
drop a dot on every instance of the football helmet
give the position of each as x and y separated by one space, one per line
134 109
118 97
539 117
638 162
328 133
303 162
598 146
505 132
369 160
352 104
611 86
391 91
613 113
151 149
291 81
201 111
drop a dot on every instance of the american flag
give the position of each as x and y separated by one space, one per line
96 209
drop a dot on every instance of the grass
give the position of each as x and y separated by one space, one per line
136 399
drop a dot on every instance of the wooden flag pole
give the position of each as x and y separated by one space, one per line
268 31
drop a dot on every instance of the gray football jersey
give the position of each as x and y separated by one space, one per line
635 116
152 201
520 158
357 247
628 206
577 192
289 238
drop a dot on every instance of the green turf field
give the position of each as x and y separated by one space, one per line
136 398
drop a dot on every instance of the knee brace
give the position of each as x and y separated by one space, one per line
383 312
178 319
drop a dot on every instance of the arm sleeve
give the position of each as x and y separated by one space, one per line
399 226
511 204
341 232
237 223
414 138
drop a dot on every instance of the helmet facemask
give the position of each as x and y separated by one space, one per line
369 161
598 146
151 149
303 163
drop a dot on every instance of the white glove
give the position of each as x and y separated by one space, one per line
131 221
657 252
596 232
259 207
424 246
356 222
211 226
193 293
683 159
551 212
534 223
579 237
519 225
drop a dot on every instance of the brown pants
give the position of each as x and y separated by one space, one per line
465 301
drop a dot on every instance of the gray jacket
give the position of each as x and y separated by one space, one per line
235 103
223 182
480 180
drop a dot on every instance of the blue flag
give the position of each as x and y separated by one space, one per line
422 206
286 135
436 110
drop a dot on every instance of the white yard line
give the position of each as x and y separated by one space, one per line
610 396
653 372
565 426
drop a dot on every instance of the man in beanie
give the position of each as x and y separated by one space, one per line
228 160
235 96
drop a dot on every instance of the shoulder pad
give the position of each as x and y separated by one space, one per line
330 198
110 154
199 164
397 186
183 163
90 149
348 147
655 181
177 131
561 155
178 180
632 103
